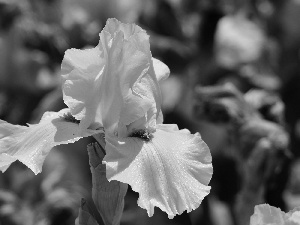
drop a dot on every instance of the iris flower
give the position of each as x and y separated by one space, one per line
115 87
265 214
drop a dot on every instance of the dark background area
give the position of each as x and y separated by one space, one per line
235 78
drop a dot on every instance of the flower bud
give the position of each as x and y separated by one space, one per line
85 216
108 196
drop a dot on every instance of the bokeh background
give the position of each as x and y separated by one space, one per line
235 78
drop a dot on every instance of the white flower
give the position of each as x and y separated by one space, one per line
265 214
116 84
238 40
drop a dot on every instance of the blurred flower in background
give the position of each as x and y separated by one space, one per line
265 214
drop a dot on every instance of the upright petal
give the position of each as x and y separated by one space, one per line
137 77
31 144
171 171
106 83
161 70
126 64
82 71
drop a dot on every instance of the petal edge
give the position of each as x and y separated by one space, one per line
172 171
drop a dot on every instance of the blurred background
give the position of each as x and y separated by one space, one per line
235 78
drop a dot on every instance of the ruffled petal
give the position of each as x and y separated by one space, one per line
171 171
161 70
31 144
115 83
132 72
265 214
293 217
82 71
126 64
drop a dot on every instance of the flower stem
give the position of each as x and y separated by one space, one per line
108 196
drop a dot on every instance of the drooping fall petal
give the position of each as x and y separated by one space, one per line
31 144
170 171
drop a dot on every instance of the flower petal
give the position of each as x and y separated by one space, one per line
265 214
115 83
126 63
131 71
81 71
161 70
31 144
293 217
171 171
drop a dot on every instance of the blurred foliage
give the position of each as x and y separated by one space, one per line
26 199
234 78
